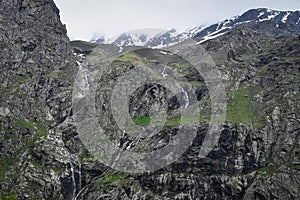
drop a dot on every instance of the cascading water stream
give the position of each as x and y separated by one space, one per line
79 176
186 98
80 189
163 73
73 181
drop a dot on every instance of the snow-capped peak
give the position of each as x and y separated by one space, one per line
138 37
159 38
97 38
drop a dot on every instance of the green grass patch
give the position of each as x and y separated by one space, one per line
183 67
130 57
7 196
239 109
4 167
196 83
42 132
291 77
293 166
106 181
142 120
269 160
40 126
146 60
18 81
44 166
287 59
25 124
173 122
267 170
188 120
36 164
270 170
57 74
85 156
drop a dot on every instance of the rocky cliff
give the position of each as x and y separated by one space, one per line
37 70
42 156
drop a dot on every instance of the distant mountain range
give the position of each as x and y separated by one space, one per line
272 22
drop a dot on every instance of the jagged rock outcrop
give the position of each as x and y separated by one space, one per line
37 72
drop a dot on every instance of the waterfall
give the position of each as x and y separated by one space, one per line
163 73
80 189
73 181
116 159
79 175
84 85
186 98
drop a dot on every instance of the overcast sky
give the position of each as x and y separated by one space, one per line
84 18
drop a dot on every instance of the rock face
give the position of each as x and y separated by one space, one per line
42 157
37 70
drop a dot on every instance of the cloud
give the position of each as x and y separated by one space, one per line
111 17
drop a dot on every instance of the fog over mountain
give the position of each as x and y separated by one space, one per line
277 23
110 18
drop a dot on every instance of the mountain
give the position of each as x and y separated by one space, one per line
144 37
270 21
45 82
257 155
37 72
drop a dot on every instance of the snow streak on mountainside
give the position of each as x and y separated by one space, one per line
271 21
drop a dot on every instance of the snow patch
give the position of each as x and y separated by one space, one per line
173 34
163 52
269 17
161 45
285 17
244 22
261 14
206 38
214 34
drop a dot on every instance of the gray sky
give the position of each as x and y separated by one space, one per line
110 17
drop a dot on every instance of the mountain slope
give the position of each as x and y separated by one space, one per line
270 21
257 156
42 156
